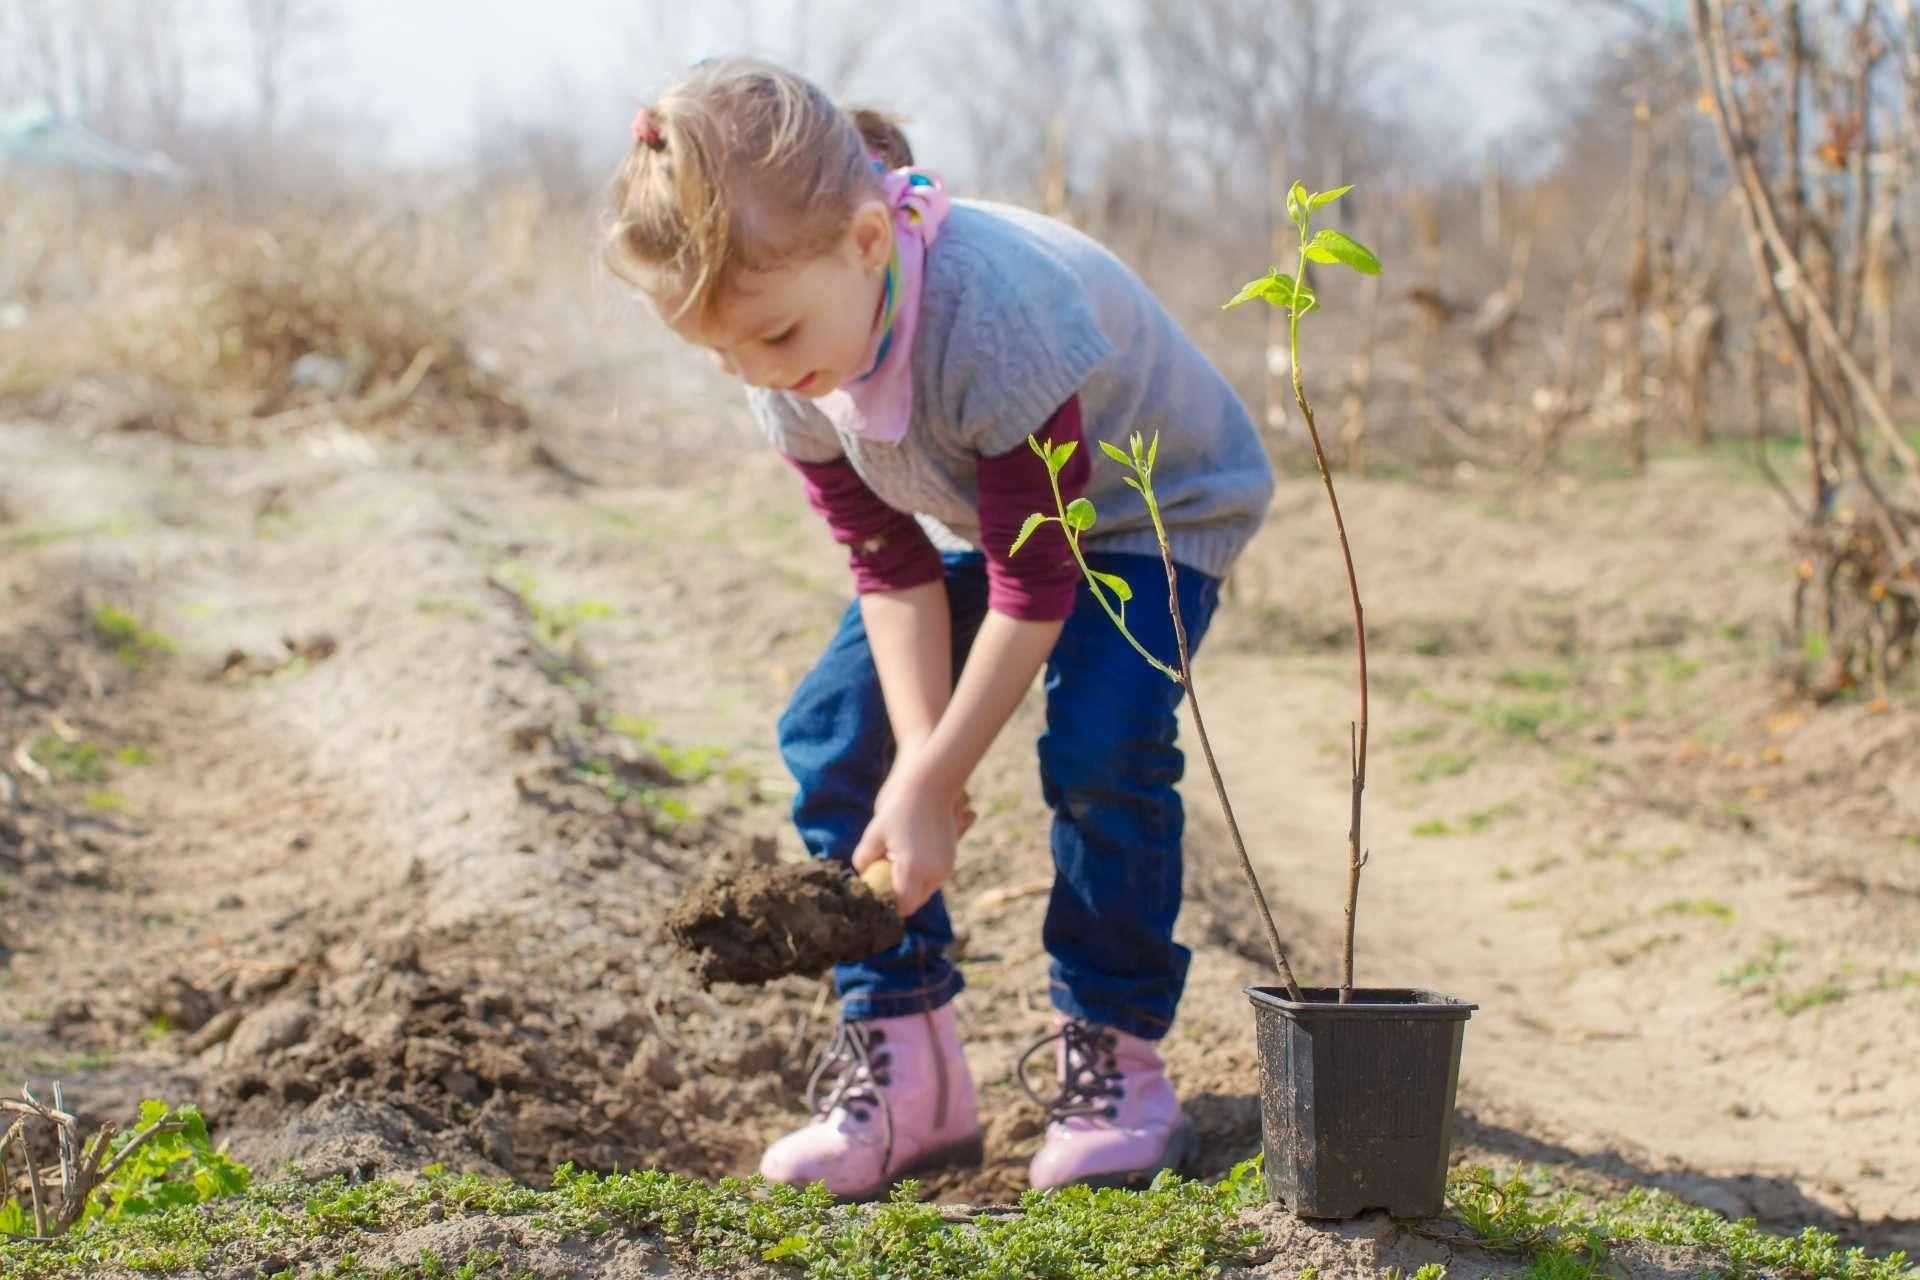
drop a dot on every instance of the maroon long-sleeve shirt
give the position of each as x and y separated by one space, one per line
889 551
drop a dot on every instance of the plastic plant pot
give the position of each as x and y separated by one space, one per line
1356 1099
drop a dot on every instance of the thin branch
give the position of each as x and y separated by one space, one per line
1355 858
1206 745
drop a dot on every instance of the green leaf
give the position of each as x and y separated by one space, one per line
1033 443
1058 455
1330 247
1080 514
1115 583
1275 289
1153 450
1033 522
152 1112
1130 482
1321 199
785 1249
1299 203
1115 452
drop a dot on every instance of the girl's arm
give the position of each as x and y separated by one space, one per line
911 634
1028 602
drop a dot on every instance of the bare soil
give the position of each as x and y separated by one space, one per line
374 857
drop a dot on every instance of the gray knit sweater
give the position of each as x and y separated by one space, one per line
1019 312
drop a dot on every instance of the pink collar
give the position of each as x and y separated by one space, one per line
878 405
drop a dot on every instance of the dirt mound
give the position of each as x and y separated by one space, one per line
759 923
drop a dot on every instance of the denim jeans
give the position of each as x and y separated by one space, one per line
1108 770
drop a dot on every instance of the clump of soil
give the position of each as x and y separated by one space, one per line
755 924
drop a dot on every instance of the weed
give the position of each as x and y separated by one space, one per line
131 642
1794 1003
1677 670
1562 1236
45 536
1533 681
1442 764
1529 719
1174 1230
66 761
1708 907
1433 827
1417 736
136 757
1580 771
1760 970
435 606
105 801
1481 819
554 625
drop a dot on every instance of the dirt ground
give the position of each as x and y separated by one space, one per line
364 835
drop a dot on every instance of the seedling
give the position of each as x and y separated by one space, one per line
1077 518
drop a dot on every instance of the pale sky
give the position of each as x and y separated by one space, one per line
432 69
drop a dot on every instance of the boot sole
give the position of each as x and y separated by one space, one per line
968 1153
1180 1148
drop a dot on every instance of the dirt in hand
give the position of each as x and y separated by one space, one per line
755 924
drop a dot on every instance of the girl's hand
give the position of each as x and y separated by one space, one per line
916 829
963 814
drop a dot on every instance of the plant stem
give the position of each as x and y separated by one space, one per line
1206 748
1093 584
1358 750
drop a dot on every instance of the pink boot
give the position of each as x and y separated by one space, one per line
1115 1121
898 1102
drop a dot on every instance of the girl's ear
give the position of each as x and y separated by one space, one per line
871 234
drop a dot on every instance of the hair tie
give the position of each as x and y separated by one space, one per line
646 130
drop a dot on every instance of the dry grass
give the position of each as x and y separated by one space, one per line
213 326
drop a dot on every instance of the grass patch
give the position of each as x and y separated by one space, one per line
1531 719
1533 681
554 625
1442 764
1708 907
132 642
446 606
48 535
1432 827
1173 1231
1760 969
1794 1003
100 801
1418 736
65 761
1481 819
1567 1236
135 757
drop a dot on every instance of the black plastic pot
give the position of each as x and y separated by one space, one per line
1356 1100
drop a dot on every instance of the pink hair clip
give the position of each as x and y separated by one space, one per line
646 129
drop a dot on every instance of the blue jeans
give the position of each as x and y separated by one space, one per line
1108 769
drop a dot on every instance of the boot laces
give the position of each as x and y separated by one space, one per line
850 1067
1089 1080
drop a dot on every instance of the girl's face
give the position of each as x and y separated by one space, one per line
806 327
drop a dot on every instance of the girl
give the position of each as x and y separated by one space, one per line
898 350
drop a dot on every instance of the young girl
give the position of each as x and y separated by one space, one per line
898 350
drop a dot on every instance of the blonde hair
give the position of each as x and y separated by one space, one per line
742 166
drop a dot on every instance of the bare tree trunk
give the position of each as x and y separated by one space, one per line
1639 282
1796 223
